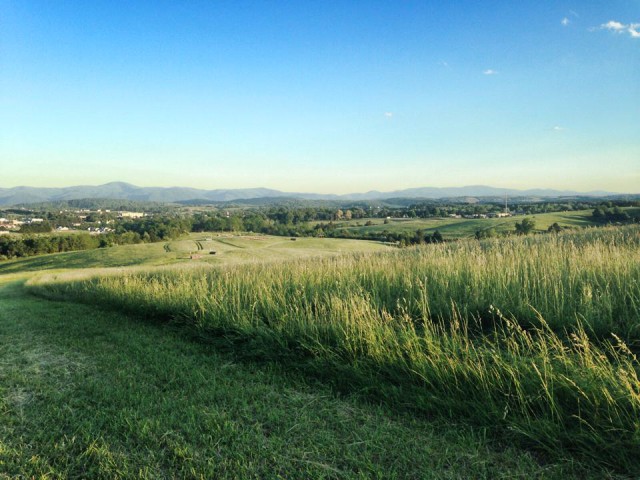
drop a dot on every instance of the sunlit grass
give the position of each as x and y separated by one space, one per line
87 393
529 337
230 249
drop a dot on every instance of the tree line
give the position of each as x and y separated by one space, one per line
145 230
615 214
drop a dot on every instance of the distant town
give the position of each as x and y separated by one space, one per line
66 220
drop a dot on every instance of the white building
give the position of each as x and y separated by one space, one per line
130 214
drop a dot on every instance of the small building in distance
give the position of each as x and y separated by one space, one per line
125 214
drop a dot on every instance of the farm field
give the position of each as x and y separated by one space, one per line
325 358
466 227
230 249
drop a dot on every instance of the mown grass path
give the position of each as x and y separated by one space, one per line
88 393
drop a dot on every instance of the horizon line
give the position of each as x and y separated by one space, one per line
591 191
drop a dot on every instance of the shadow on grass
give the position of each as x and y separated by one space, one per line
72 260
156 399
369 382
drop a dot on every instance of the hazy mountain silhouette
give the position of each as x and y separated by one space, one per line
127 191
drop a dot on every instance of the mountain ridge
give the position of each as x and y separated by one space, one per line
127 191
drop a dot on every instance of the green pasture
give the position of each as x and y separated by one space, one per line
248 248
229 249
466 227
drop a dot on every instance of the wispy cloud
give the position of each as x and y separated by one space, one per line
558 128
388 114
633 29
444 64
613 25
566 21
489 71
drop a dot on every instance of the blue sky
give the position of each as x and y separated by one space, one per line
328 97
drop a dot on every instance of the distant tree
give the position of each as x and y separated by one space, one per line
255 223
41 227
525 227
555 228
598 214
236 224
486 233
618 215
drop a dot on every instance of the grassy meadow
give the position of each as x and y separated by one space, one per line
230 249
532 340
457 228
91 393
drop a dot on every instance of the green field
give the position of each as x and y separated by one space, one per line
91 393
230 249
466 228
323 358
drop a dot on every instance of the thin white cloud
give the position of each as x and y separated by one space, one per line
558 128
565 22
388 114
444 64
489 71
633 29
613 25
574 13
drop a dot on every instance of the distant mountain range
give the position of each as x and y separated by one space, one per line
126 191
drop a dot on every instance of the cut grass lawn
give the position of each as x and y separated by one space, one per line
88 393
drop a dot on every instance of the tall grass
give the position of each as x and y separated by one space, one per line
530 337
